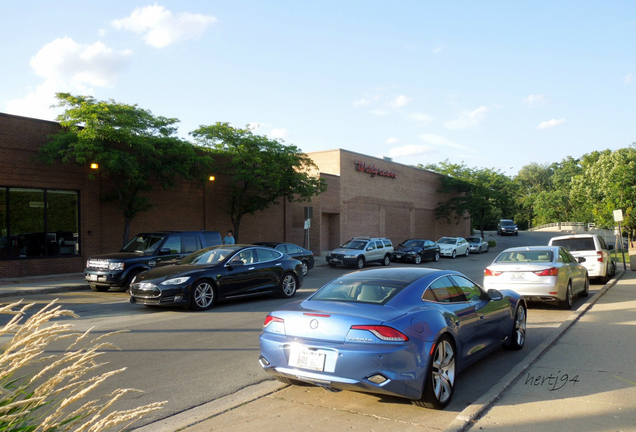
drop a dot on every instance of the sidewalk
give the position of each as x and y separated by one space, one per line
583 378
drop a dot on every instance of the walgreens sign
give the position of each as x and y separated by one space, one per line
371 169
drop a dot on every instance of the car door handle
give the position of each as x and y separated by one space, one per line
251 268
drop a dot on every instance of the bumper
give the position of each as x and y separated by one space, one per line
403 257
177 295
447 252
351 367
104 278
344 261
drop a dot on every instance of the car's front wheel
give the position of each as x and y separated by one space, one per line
518 336
360 262
202 296
439 382
288 285
454 255
436 256
467 252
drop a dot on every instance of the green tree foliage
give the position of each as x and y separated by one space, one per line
131 146
483 194
263 170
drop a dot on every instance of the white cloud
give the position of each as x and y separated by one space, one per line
362 102
420 117
411 151
535 100
278 133
65 59
439 49
470 119
551 123
628 79
441 141
379 112
392 140
160 27
400 101
71 67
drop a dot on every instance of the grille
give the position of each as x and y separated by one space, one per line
337 256
98 264
144 290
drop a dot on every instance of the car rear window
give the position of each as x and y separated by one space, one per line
575 244
536 256
378 291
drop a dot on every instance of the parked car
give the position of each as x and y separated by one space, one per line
507 227
539 273
598 261
225 271
403 332
453 246
477 244
143 252
305 256
416 251
362 250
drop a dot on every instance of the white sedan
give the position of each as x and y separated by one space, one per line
453 246
539 273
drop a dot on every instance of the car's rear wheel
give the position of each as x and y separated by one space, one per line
418 259
305 268
439 382
566 303
360 262
518 336
387 260
288 285
586 288
202 296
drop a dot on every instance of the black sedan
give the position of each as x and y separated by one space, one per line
305 256
416 251
200 279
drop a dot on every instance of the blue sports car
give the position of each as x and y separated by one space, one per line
403 332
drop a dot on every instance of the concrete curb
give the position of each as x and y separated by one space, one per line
469 416
212 409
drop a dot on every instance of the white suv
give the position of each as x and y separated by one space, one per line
361 250
593 248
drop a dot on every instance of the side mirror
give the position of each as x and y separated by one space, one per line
495 294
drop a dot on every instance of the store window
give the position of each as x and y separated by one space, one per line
38 223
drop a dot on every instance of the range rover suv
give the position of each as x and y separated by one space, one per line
145 251
362 250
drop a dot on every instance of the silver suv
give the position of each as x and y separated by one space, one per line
593 248
361 250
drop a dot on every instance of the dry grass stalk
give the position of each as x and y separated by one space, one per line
40 402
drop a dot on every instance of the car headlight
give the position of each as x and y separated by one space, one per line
116 266
410 253
176 281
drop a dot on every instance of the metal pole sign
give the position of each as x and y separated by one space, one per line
618 217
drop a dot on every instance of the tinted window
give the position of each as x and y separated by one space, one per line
535 256
294 249
247 256
387 243
445 291
143 243
212 238
576 244
267 255
173 243
190 243
471 291
355 244
379 245
601 240
359 290
282 248
371 246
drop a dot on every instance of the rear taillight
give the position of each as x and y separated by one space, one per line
383 332
488 272
270 319
599 256
552 271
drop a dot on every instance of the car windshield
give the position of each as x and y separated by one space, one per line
535 256
473 240
209 256
447 240
143 243
413 243
507 223
576 244
354 244
360 290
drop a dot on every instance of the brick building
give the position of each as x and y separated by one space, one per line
52 218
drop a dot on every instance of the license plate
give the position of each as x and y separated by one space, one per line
306 359
92 277
517 275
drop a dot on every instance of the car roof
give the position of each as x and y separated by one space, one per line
573 236
404 274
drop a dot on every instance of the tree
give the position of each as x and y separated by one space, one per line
263 171
485 194
131 146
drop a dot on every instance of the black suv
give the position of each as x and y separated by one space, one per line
507 227
145 251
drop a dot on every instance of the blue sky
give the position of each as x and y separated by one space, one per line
492 84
